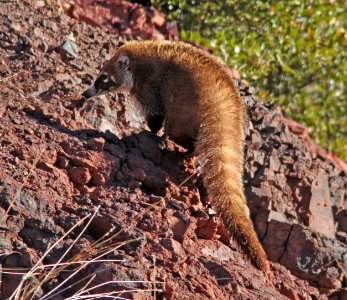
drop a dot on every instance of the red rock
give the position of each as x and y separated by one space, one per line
79 175
256 140
274 163
134 184
276 236
98 179
173 246
206 229
100 226
287 160
127 18
259 157
341 219
84 163
301 257
62 162
219 251
115 150
258 114
96 144
19 152
29 131
137 174
45 166
296 128
181 230
15 262
321 218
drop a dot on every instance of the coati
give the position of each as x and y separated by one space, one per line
195 97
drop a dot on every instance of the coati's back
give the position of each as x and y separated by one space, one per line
178 78
202 109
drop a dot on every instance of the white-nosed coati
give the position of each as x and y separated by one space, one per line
202 110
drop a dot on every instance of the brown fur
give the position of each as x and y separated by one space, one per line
202 109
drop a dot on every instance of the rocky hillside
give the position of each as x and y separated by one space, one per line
75 176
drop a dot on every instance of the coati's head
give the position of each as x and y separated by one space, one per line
115 76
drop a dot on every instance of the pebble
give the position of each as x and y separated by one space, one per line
79 175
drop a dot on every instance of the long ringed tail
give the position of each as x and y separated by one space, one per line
219 149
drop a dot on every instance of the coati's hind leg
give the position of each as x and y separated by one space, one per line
155 123
188 143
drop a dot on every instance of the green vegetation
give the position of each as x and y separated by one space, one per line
294 51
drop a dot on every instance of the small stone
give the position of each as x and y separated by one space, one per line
274 163
43 46
207 229
138 174
287 160
180 229
40 3
16 121
79 175
19 153
259 157
16 27
258 114
115 150
62 77
173 246
158 18
134 184
176 204
76 80
120 176
28 131
256 140
98 179
45 167
69 47
77 64
62 162
222 253
96 144
341 219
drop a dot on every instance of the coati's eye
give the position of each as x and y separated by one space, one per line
103 83
103 77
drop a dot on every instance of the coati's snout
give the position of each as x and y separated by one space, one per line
102 84
90 92
115 76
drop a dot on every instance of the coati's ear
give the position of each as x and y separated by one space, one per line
124 62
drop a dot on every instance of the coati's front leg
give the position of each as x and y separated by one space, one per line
155 122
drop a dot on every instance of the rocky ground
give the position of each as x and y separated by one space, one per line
63 158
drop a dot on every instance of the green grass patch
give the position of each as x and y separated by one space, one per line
295 52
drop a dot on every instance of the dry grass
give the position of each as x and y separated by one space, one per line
29 289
